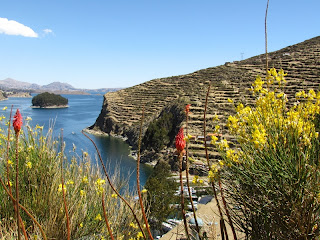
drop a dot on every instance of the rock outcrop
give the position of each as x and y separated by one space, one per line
121 110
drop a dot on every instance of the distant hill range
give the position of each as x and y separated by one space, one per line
10 84
120 114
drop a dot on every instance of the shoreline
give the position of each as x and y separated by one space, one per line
132 153
101 133
51 107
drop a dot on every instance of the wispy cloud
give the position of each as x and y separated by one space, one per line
47 31
11 27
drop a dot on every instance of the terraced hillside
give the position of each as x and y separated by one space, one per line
121 110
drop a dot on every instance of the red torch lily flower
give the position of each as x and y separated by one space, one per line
17 122
187 109
180 141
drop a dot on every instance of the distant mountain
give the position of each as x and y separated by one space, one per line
10 83
56 87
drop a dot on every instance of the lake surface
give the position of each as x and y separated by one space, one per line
82 112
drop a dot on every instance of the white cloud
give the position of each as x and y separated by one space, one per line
47 31
11 27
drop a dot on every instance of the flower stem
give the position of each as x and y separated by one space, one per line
63 190
187 176
24 209
111 185
227 211
105 217
266 37
8 173
223 227
182 196
8 146
17 186
138 178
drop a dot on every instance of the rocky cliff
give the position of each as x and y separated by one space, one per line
121 110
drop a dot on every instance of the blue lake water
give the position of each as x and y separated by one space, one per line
81 113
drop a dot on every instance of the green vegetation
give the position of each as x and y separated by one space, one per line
161 131
266 183
273 175
48 100
161 189
40 158
157 135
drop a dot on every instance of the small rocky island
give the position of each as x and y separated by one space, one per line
49 100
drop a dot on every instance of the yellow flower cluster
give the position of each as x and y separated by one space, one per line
133 225
196 180
85 180
232 156
144 190
256 125
60 188
98 217
99 185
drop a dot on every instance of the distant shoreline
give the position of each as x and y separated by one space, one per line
53 106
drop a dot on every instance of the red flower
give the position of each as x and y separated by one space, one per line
17 122
180 141
187 108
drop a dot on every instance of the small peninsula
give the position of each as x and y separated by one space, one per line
49 100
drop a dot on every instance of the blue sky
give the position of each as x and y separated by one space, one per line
106 44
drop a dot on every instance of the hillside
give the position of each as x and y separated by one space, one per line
121 110
10 83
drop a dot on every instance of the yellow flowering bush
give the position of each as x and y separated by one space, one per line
272 175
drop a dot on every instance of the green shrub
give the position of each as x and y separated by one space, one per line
157 134
272 177
161 189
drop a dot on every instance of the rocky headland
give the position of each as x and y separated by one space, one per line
121 111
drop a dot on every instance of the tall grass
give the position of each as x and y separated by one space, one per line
40 191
